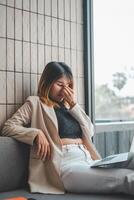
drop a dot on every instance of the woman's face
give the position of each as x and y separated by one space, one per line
56 91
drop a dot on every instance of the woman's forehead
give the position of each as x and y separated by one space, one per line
64 79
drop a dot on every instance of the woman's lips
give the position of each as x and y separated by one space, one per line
60 97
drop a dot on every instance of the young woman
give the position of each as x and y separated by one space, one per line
59 132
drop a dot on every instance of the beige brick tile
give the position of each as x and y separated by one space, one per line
47 30
2 21
55 53
61 54
26 26
2 115
79 11
10 87
80 64
61 33
34 5
38 79
73 62
79 37
33 58
48 56
73 35
2 87
2 54
67 9
10 54
10 3
54 8
40 58
33 84
10 22
26 4
67 34
76 88
41 29
54 32
41 6
26 57
3 2
33 27
10 111
18 24
18 88
18 4
26 86
61 9
18 56
73 10
47 7
67 57
81 92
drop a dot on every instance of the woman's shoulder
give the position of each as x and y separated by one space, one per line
33 99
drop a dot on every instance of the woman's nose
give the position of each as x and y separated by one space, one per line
62 90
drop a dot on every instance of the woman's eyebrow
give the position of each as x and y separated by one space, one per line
59 81
62 82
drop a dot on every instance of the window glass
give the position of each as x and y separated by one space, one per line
114 59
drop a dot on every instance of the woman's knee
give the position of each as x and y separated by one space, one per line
67 179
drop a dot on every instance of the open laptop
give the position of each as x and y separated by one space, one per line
115 160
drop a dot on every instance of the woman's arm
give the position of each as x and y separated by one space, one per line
87 127
79 114
15 126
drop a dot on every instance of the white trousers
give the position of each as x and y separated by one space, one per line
79 177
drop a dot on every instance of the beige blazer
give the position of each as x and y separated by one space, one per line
44 176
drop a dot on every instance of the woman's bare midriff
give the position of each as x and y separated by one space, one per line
71 141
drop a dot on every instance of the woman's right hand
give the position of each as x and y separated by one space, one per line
42 146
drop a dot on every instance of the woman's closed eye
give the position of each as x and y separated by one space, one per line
59 84
62 85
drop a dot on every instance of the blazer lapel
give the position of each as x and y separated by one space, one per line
51 114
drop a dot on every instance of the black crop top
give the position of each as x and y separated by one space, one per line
67 124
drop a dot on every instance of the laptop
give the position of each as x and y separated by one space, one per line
116 160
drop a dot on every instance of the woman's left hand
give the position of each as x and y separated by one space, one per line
69 96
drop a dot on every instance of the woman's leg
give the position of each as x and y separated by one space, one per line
81 178
77 176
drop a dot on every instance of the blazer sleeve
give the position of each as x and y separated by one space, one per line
15 126
87 128
79 114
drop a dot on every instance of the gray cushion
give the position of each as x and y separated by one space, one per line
13 164
68 196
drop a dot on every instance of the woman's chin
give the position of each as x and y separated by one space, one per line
60 99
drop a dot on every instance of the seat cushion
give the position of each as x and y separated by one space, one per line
67 196
14 158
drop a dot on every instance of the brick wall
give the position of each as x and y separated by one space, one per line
32 33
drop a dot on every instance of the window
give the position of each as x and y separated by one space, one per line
114 60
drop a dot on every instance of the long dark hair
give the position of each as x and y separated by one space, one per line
52 72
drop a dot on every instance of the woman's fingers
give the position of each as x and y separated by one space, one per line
48 153
42 151
38 147
42 147
45 152
69 96
68 91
